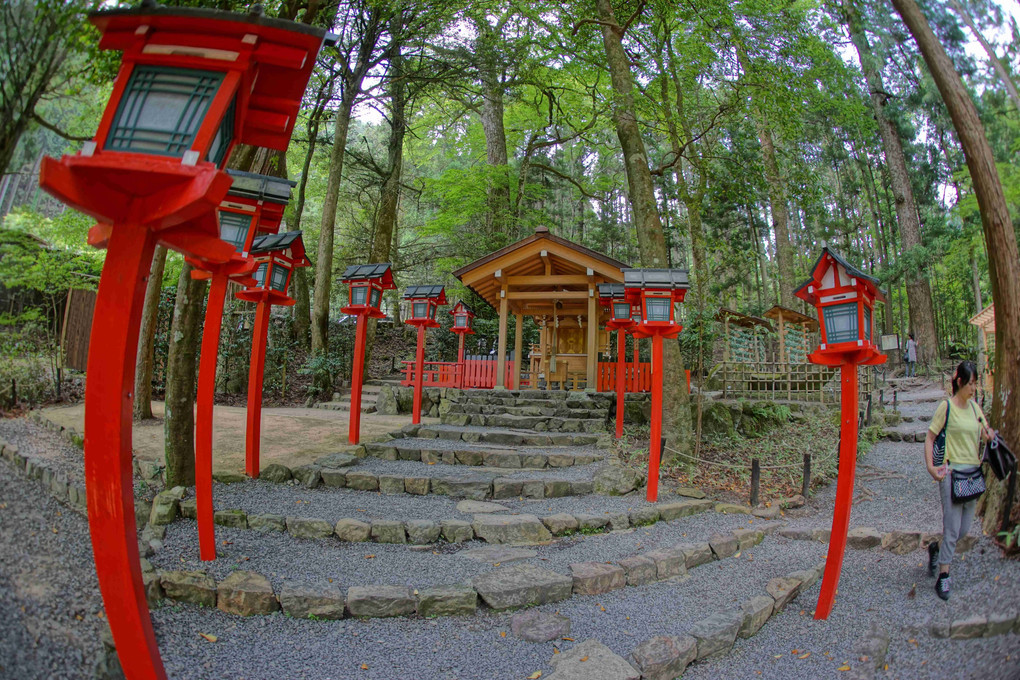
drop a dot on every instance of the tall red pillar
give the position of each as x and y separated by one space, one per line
844 489
655 452
108 479
621 388
419 379
256 374
357 377
204 416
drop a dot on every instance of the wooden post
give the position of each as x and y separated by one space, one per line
543 362
755 479
635 381
501 345
518 350
621 357
357 375
806 483
844 490
460 361
419 377
256 372
204 417
656 429
782 339
592 358
108 408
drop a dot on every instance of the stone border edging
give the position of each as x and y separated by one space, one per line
515 586
54 482
493 458
977 625
864 538
492 528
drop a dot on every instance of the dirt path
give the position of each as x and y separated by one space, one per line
290 436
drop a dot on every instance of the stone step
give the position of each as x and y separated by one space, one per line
499 398
547 410
343 405
486 455
536 423
506 437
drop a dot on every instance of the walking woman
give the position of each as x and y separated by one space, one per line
963 429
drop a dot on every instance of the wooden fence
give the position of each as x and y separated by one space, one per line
770 380
74 337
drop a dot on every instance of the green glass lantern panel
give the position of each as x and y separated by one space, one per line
359 294
460 320
867 324
234 228
840 323
162 109
419 310
260 275
279 281
376 294
224 135
657 309
621 310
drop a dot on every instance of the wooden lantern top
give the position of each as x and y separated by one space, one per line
637 281
381 275
833 273
433 294
462 308
289 246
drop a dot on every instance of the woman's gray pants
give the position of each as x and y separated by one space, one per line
956 518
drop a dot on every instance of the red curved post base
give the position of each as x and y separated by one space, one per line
621 351
844 489
357 375
204 417
256 373
109 488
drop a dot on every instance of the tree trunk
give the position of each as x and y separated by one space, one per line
150 316
978 306
1000 242
181 374
492 127
922 316
1000 70
676 410
780 212
353 82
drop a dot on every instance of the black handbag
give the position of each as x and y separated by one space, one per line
999 458
967 486
938 449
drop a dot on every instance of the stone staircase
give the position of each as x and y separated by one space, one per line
341 401
538 410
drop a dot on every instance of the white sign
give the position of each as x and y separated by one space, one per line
890 342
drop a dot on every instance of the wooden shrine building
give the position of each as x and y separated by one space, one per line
554 281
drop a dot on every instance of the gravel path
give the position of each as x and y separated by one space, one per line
261 497
49 599
346 563
41 443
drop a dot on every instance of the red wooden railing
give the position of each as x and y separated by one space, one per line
637 379
478 374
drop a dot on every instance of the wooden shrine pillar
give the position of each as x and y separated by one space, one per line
782 340
592 357
501 346
518 350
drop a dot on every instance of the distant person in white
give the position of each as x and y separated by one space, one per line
911 355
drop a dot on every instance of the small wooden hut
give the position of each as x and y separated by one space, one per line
985 322
796 334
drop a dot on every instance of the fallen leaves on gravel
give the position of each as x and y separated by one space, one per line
502 633
368 557
209 637
535 676
844 667
804 655
584 658
364 666
913 592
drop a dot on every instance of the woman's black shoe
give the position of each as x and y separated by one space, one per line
942 586
933 557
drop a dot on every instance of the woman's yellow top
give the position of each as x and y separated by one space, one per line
963 433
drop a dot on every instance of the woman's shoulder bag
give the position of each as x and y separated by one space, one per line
938 449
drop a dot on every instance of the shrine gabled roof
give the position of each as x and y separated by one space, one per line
260 187
367 271
430 292
671 279
870 281
985 319
612 290
790 316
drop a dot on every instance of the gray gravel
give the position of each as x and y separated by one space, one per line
33 440
261 497
274 554
47 581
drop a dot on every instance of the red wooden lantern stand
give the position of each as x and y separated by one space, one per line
844 297
423 302
613 295
151 174
463 318
276 256
656 291
366 283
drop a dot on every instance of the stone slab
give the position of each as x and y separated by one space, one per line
522 585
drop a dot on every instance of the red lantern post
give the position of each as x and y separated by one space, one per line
614 296
463 318
366 283
655 291
276 257
192 83
423 301
845 298
254 204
